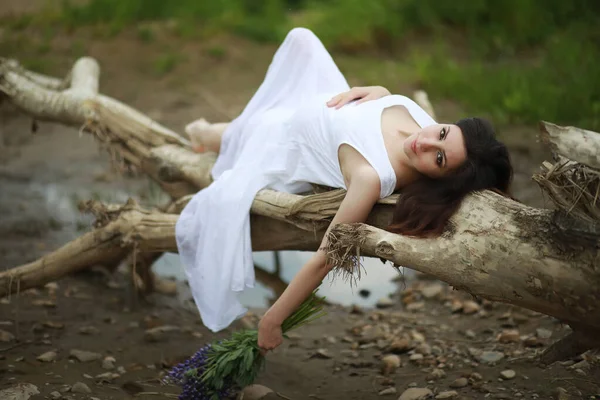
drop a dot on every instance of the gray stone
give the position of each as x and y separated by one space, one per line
384 302
85 356
255 392
388 391
436 374
108 363
416 357
6 336
390 363
416 306
459 383
159 333
490 357
55 395
21 391
416 394
88 330
80 387
543 333
449 394
48 356
433 290
508 374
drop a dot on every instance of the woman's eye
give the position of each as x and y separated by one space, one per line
442 133
440 158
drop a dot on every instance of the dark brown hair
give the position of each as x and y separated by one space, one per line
425 206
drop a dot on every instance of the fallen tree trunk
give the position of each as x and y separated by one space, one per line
495 248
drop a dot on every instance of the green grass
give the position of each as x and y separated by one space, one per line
517 61
166 63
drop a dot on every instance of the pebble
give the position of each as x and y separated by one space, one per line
416 394
431 291
108 362
84 356
254 392
388 391
584 365
107 377
470 334
543 333
417 336
449 394
390 363
384 302
48 356
416 306
532 341
321 353
436 374
489 357
475 377
80 387
400 346
470 307
508 374
459 383
561 394
6 336
423 348
55 395
159 333
456 306
416 357
53 325
88 330
509 336
21 391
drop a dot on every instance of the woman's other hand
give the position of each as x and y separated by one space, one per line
269 335
360 94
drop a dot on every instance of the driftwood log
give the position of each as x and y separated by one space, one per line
494 247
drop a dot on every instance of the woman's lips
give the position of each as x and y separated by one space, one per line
413 146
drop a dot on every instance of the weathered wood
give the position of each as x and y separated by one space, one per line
495 249
573 143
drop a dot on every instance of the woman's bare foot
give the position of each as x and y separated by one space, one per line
205 136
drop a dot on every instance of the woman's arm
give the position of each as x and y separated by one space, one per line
363 193
360 94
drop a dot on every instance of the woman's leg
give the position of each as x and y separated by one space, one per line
206 136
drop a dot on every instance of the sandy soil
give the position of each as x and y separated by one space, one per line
444 340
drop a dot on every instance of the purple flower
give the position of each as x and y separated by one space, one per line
188 374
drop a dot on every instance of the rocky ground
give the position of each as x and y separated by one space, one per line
87 336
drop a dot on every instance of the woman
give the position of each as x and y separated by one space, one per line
304 125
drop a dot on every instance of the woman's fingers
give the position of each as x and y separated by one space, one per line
365 98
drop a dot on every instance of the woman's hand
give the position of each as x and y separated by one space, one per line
269 335
361 94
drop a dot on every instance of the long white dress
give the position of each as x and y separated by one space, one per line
285 139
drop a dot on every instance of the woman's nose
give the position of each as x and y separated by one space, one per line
427 144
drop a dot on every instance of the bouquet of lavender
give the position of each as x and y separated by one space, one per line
219 369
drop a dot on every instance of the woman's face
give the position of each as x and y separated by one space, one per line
436 150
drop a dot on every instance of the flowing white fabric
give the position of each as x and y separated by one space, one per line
285 139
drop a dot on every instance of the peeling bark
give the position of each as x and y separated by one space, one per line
495 249
573 143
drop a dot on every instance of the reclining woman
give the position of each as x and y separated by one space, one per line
305 125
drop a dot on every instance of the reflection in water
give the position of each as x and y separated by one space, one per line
276 269
376 281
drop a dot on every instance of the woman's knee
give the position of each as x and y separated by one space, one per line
302 35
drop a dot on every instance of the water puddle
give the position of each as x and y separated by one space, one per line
58 203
